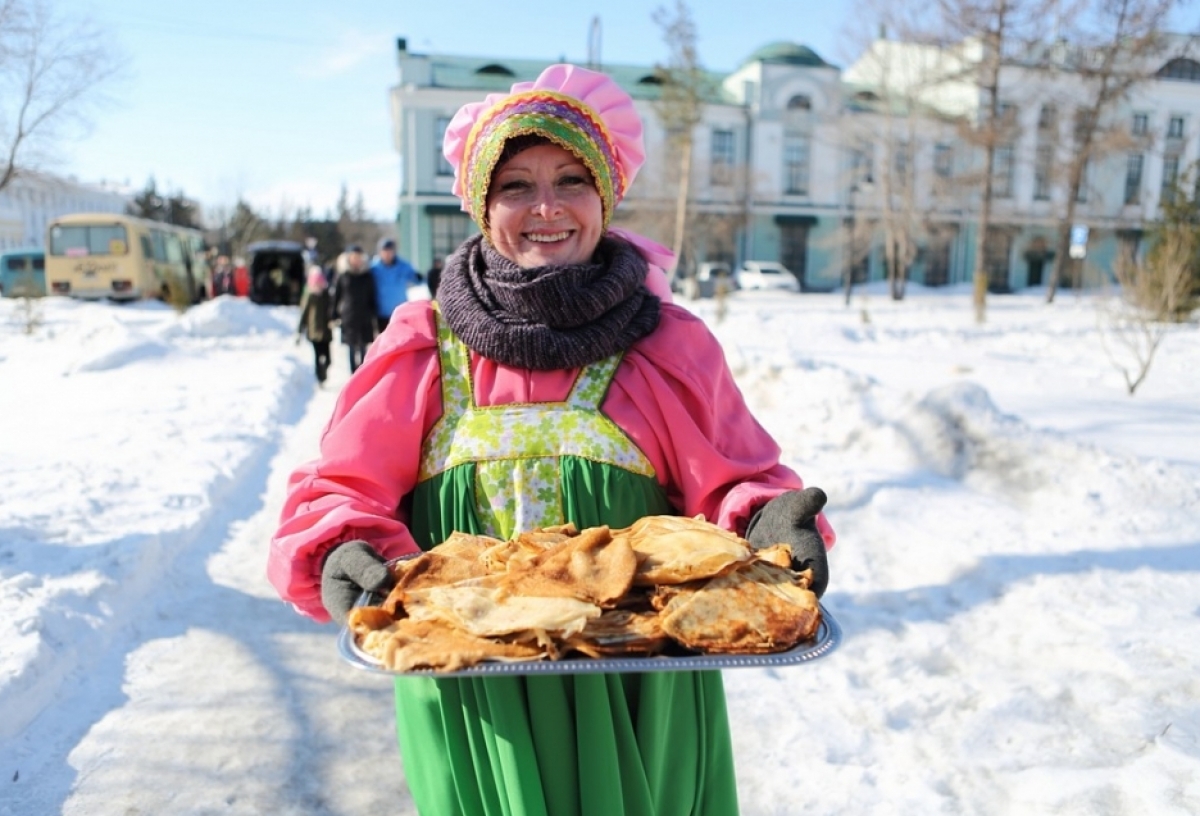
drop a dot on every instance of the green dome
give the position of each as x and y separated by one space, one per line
786 53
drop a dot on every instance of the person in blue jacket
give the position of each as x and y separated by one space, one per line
393 275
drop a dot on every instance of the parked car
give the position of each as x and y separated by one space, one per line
23 273
709 278
767 275
276 272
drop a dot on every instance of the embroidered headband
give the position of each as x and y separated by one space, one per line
582 111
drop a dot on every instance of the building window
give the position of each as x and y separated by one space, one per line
1141 124
1175 127
448 230
1047 118
1133 178
862 169
722 156
1181 68
1085 125
800 102
901 165
1041 172
1170 175
1084 176
1002 172
795 164
943 161
443 166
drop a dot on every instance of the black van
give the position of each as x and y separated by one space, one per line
276 272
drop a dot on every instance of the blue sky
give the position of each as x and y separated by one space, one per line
282 103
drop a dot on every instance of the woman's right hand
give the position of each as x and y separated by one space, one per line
351 569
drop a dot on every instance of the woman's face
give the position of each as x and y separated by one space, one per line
543 208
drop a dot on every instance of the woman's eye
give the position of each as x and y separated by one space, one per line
516 185
572 181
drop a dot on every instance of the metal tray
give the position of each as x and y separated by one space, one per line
829 636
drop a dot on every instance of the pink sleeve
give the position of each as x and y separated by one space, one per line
687 414
369 454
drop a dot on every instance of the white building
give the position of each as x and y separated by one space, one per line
800 162
31 200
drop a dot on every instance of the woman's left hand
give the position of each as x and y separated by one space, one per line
791 518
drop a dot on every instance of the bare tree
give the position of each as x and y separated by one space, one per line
1129 322
1113 48
685 87
1158 290
895 127
51 67
961 46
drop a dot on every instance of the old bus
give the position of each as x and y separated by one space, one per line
104 255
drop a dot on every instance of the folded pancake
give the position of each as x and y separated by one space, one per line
675 550
757 608
619 632
487 611
778 554
405 645
431 569
591 566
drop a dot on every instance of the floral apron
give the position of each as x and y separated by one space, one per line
650 744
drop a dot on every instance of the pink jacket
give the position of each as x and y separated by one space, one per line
682 409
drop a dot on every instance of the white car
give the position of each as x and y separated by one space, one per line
766 275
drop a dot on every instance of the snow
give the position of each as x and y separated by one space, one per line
1016 572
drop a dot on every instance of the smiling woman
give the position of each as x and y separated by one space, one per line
549 384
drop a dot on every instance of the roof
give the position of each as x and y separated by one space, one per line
70 219
782 52
497 74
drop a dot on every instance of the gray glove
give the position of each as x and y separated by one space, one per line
350 569
791 518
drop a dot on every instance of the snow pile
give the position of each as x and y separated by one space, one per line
1015 573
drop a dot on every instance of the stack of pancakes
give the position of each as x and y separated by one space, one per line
665 585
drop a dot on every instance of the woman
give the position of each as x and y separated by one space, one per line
354 302
547 385
314 319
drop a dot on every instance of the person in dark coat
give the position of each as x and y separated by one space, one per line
354 299
315 313
433 276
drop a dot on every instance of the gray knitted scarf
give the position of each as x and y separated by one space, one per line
547 317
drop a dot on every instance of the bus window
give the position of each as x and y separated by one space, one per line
80 240
14 264
160 245
174 250
147 248
39 263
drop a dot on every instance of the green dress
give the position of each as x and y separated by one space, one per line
651 744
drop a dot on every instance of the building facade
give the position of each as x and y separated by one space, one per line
32 200
839 173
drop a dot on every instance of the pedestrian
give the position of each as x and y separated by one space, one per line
393 275
222 277
310 254
624 407
355 303
315 312
433 276
241 278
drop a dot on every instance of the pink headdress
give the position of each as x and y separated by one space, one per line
582 111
